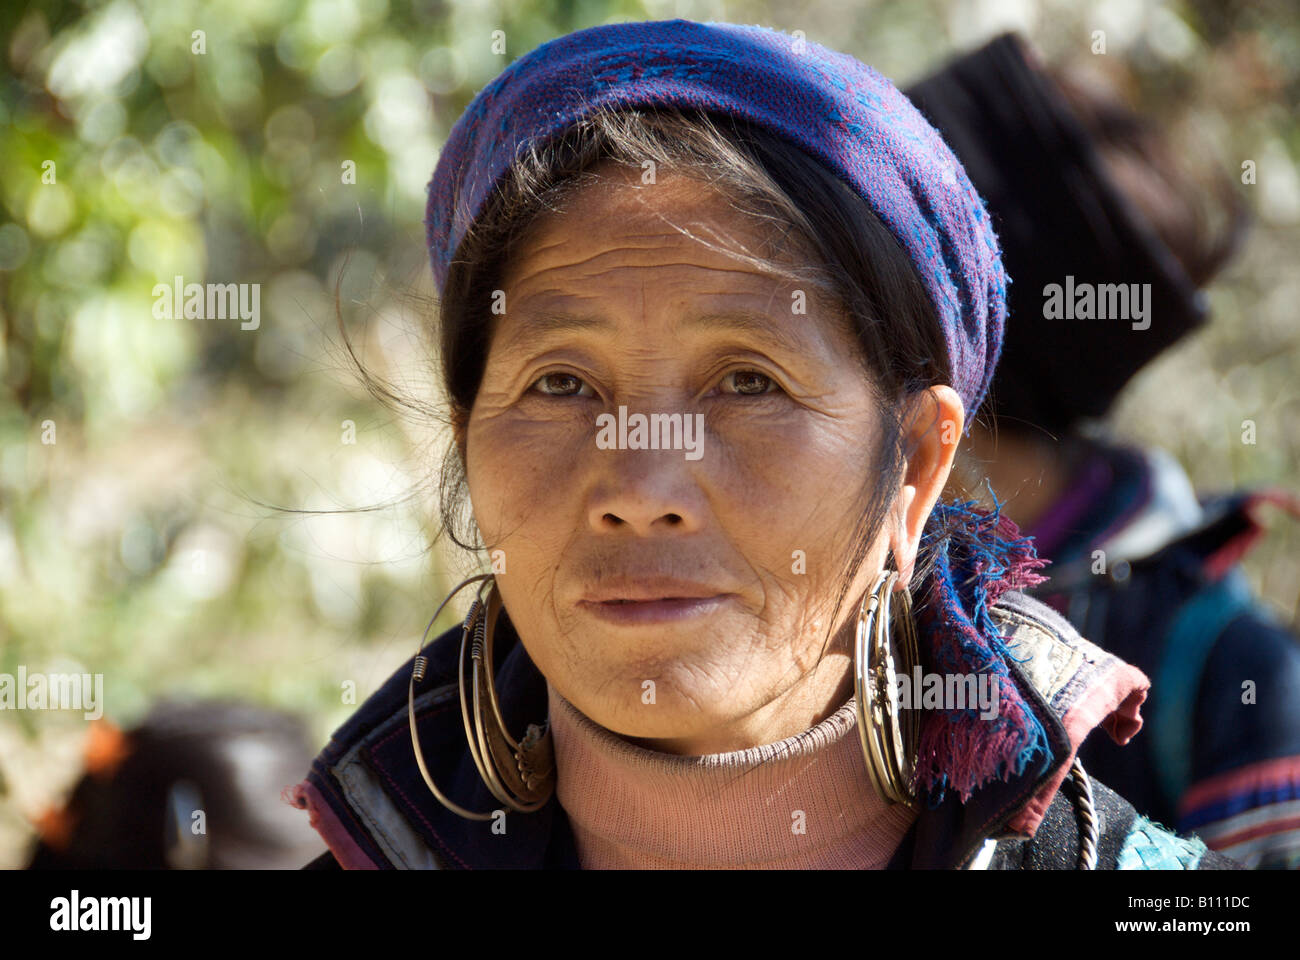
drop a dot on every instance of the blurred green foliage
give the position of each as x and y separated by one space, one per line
139 545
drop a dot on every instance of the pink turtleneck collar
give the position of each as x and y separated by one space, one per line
807 804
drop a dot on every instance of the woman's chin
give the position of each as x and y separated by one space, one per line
663 728
669 701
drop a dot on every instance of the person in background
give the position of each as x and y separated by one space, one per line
1083 191
193 787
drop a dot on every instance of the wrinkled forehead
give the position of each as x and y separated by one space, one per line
675 243
622 219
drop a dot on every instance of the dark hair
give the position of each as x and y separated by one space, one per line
1192 208
832 241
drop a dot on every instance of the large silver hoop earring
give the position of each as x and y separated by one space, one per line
890 735
521 774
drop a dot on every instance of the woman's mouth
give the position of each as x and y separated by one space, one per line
662 610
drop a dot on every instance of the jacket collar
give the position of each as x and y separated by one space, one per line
370 803
1139 509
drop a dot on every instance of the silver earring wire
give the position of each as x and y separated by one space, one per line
534 748
889 741
417 674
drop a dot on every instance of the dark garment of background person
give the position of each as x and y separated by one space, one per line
1144 568
194 786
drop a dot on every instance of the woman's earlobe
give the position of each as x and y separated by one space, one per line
893 553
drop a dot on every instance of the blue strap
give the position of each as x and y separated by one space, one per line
1189 641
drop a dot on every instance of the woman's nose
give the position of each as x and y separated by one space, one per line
646 492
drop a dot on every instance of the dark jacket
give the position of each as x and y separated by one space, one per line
1151 573
366 797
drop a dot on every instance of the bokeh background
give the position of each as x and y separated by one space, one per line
155 540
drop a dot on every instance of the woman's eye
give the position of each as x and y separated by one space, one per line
745 383
561 385
750 383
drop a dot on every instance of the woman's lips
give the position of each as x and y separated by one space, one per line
665 610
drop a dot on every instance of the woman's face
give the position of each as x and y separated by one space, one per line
680 595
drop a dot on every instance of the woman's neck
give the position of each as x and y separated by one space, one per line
805 802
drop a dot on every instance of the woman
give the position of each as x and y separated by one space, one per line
717 305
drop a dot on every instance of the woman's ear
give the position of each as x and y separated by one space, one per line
932 426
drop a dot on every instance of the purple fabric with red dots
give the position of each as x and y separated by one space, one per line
836 108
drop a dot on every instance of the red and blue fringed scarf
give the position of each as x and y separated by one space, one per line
978 556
